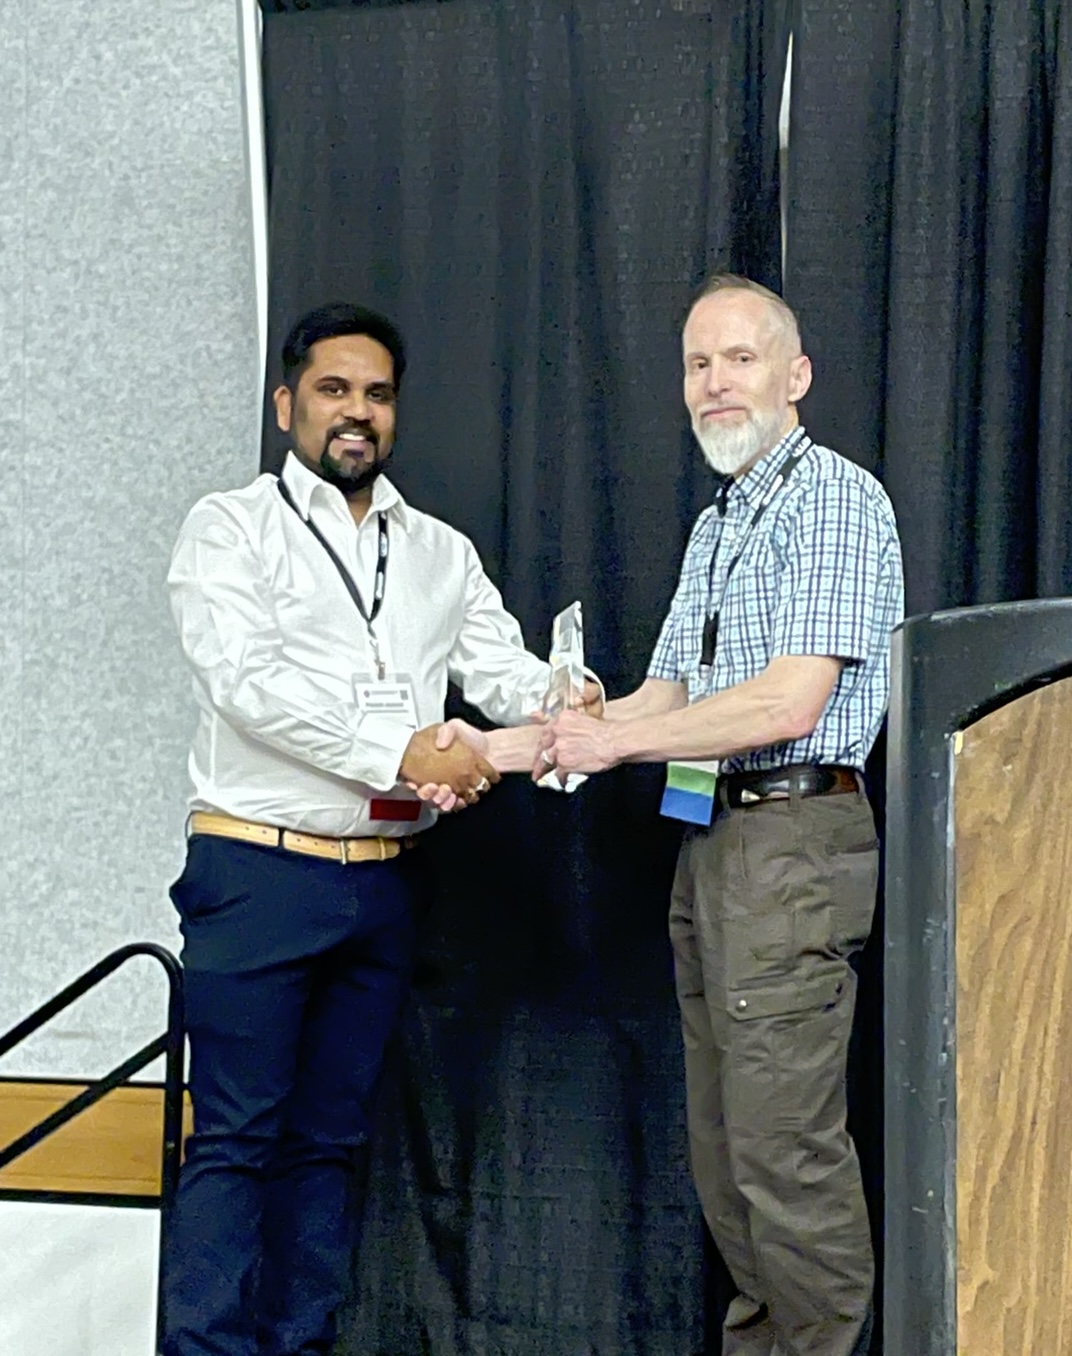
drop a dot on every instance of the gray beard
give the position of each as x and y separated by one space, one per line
729 450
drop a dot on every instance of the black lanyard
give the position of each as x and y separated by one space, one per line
710 630
379 584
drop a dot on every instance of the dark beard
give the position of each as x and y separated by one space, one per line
351 483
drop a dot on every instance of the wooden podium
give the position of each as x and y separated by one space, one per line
978 987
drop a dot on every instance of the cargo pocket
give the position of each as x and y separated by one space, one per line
788 997
788 1044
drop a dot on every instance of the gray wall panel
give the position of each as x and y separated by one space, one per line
132 254
12 106
13 85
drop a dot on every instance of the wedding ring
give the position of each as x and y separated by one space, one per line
482 785
547 757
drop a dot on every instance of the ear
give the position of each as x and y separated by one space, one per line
799 378
284 407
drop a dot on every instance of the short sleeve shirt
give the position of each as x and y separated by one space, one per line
819 573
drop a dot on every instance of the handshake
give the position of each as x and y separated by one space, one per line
452 765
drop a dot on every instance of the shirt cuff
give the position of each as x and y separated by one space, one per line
668 669
549 781
378 752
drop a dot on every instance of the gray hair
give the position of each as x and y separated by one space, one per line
736 282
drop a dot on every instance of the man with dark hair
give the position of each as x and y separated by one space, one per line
322 617
332 321
774 659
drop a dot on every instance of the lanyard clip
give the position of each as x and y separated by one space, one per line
381 671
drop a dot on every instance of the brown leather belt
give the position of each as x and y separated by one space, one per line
344 850
738 790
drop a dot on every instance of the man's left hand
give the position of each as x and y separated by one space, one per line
592 700
578 743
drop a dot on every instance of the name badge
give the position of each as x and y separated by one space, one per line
690 791
391 697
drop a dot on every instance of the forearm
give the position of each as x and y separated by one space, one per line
514 750
279 709
752 715
488 659
307 716
654 697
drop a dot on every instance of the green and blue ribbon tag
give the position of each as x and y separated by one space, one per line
690 792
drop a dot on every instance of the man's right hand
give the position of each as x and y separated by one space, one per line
461 768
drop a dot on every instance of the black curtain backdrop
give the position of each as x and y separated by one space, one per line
531 188
930 256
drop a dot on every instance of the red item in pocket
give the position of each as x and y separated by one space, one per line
399 810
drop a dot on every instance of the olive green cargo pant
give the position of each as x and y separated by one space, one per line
768 905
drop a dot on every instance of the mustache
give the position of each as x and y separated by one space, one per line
352 426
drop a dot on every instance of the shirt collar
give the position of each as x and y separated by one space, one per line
755 486
303 484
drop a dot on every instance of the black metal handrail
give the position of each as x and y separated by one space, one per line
170 1044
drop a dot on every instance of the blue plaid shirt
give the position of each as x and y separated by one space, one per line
819 574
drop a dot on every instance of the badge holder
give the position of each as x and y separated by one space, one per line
690 792
393 699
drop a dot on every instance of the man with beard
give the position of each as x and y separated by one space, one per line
322 617
774 660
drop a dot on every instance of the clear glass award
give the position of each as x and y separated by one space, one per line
567 662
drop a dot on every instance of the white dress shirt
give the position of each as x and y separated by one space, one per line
275 643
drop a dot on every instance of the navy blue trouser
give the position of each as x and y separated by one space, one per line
295 972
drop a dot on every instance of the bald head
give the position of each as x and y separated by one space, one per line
782 318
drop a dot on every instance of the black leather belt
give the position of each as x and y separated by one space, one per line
741 789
